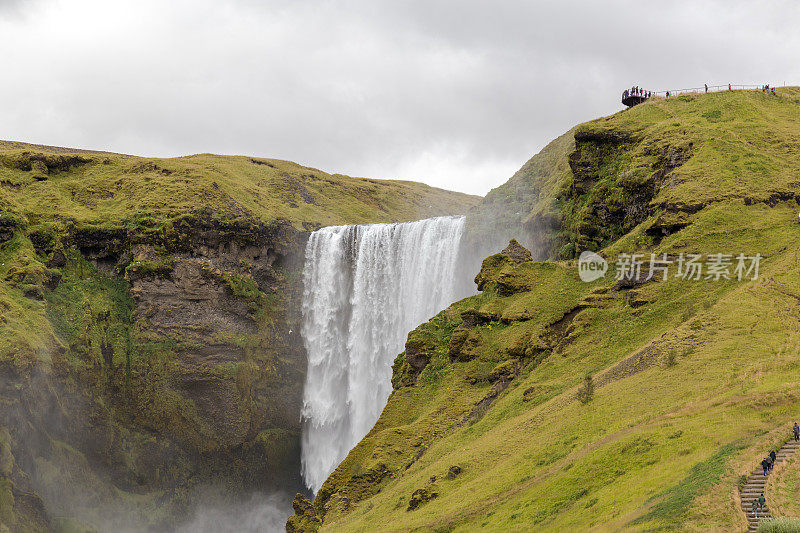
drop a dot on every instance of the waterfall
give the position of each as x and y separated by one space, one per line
366 287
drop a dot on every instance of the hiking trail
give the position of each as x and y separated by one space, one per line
757 482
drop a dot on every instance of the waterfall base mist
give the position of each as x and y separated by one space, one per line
366 287
260 514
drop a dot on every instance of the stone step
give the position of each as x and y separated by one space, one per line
757 483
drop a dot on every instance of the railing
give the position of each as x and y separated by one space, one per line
711 88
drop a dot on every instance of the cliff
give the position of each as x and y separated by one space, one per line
550 403
149 327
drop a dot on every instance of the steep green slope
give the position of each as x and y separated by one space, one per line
149 327
552 404
728 145
524 207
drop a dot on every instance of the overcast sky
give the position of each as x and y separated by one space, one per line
455 94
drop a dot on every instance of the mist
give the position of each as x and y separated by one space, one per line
260 514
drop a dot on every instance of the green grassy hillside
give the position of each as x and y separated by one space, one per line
149 328
44 183
546 403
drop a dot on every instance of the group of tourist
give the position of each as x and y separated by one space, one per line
636 91
758 504
769 462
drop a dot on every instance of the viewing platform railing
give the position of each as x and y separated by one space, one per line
631 99
711 88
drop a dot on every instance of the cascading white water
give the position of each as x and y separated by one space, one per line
366 287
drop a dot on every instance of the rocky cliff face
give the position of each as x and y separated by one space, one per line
194 375
582 192
226 296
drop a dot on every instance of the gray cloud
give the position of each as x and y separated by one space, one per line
454 93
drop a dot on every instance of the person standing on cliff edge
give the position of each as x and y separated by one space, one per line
706 85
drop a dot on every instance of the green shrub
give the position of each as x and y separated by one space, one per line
779 525
586 392
742 481
152 268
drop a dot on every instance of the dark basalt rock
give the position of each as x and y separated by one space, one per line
420 497
453 472
505 371
667 223
456 342
8 223
516 252
473 317
494 266
305 518
419 348
463 344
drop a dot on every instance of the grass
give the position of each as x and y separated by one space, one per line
779 525
783 487
112 189
676 501
692 381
